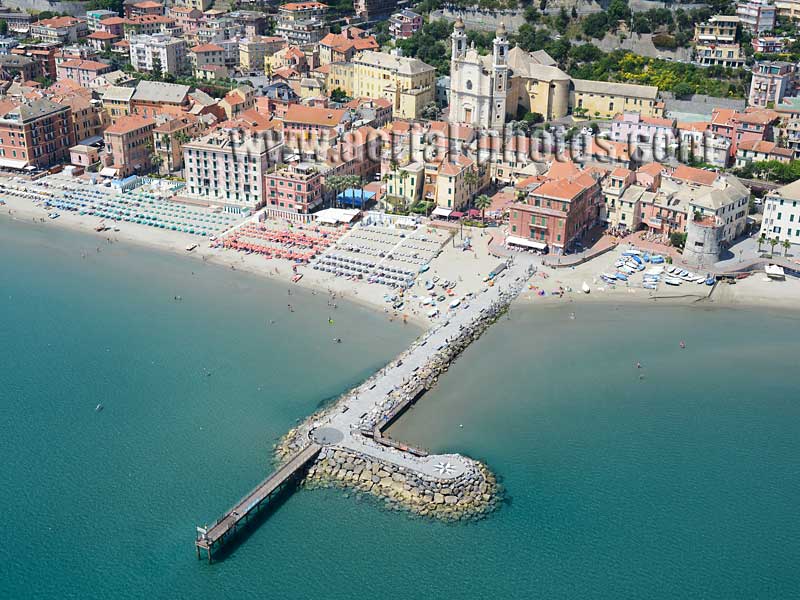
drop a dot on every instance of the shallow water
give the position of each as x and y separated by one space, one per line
682 483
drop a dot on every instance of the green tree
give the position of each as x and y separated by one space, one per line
761 240
618 11
596 25
3 27
772 243
677 239
787 245
338 95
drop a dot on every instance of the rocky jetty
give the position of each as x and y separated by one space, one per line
472 494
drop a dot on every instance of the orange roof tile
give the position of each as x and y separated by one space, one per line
310 115
207 48
129 124
101 35
694 175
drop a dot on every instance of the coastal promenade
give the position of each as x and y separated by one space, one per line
351 430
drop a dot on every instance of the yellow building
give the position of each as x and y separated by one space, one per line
723 55
405 182
718 29
453 191
252 54
603 99
408 83
788 8
117 101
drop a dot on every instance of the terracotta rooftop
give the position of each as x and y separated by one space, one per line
129 124
303 5
309 115
207 48
694 175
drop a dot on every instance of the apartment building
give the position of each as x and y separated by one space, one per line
93 17
158 52
312 130
229 166
408 83
82 72
34 133
782 214
772 81
60 30
302 23
296 188
404 24
341 47
129 142
756 16
751 151
168 138
557 211
141 9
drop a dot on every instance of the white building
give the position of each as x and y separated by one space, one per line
160 48
782 213
228 167
757 16
478 85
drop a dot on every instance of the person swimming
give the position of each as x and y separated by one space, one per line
683 344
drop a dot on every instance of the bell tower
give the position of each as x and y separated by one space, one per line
499 77
458 40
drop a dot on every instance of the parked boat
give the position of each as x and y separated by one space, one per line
650 286
775 272
585 288
672 281
710 281
621 276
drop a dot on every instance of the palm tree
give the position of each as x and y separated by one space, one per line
470 178
786 247
762 239
483 202
772 243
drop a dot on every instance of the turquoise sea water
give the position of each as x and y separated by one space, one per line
682 483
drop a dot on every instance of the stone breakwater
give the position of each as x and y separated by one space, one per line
470 496
472 493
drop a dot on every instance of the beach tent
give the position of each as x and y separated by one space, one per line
354 197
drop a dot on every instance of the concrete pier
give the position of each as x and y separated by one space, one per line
347 442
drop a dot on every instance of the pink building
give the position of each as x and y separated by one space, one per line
296 188
187 18
404 24
753 124
82 71
113 25
650 137
557 211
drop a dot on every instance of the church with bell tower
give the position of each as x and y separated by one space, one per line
478 84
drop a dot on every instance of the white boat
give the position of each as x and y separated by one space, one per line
585 288
191 247
609 276
455 303
672 281
775 272
433 313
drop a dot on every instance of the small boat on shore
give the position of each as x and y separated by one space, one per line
297 277
585 288
672 281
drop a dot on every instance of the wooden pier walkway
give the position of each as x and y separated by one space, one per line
207 539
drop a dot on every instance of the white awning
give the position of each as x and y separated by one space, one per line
13 164
336 215
442 212
108 172
519 241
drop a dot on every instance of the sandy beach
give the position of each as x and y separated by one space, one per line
467 268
